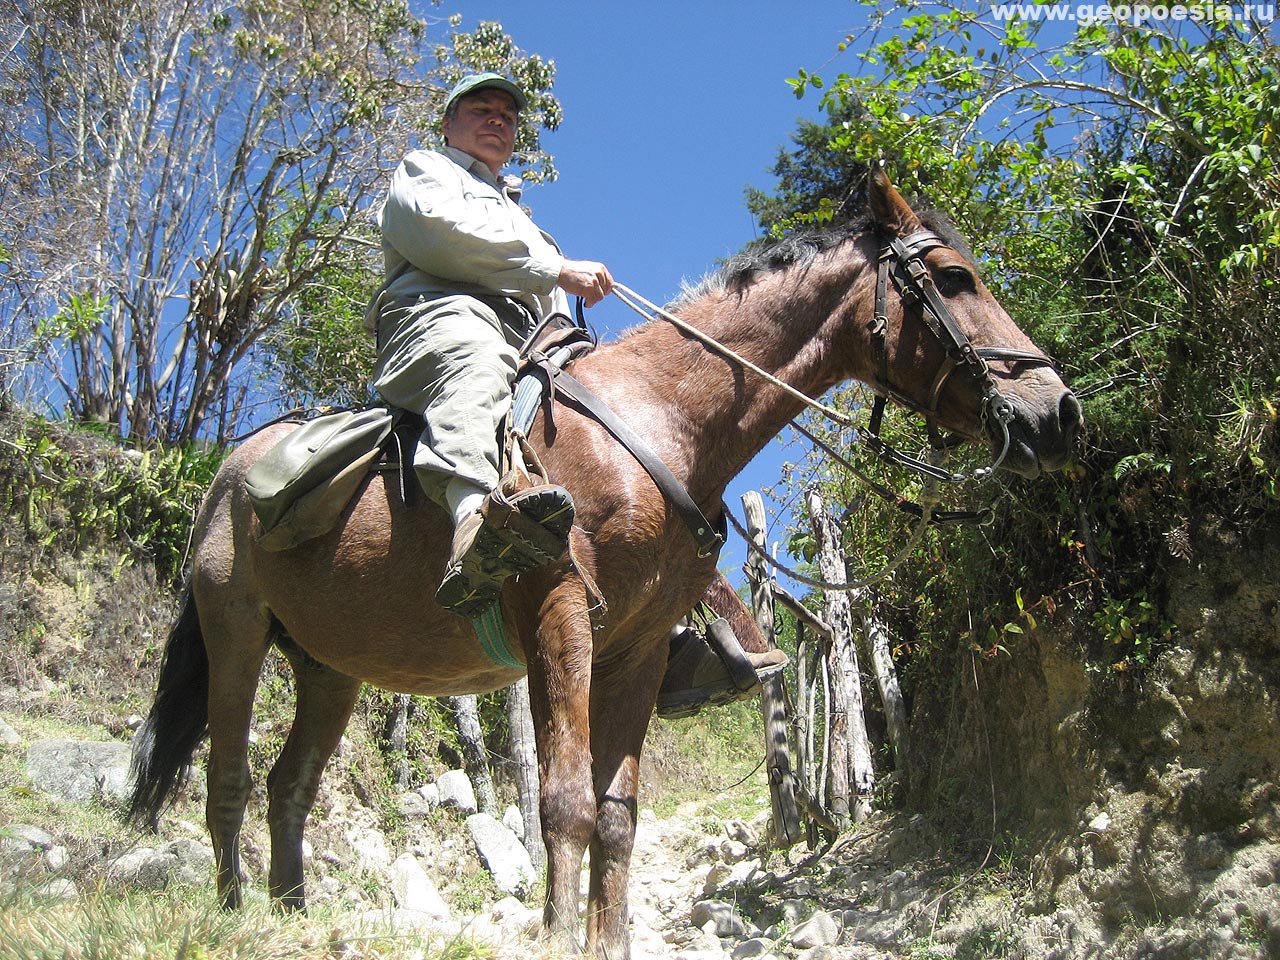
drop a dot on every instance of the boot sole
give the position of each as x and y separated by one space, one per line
475 584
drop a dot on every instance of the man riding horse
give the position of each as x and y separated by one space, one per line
468 277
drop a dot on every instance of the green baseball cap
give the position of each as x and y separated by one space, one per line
486 81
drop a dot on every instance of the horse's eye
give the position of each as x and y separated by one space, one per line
955 280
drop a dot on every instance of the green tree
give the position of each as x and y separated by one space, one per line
181 178
1121 191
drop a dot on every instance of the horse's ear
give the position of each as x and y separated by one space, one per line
887 206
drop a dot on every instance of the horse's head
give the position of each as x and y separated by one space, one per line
944 347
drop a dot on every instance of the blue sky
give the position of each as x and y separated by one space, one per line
671 110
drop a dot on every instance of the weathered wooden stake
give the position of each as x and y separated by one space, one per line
852 775
895 710
524 754
773 698
466 714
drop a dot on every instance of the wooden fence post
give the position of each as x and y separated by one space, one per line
811 673
398 739
851 773
466 714
773 697
524 754
895 710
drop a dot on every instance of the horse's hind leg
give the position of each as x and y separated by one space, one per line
237 640
325 701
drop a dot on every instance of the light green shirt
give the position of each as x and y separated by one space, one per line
449 227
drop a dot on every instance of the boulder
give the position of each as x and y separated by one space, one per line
456 792
8 735
820 930
413 889
80 770
720 915
502 854
186 862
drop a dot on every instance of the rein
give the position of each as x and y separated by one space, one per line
651 311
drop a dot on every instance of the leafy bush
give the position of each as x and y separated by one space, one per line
75 490
1122 194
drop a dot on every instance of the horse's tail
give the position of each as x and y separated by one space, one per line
178 720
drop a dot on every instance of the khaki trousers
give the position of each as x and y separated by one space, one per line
452 359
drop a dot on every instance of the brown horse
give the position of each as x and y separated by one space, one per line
355 605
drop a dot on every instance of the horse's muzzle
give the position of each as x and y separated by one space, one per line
1041 437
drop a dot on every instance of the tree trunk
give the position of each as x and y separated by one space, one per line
895 710
524 755
852 776
466 714
397 740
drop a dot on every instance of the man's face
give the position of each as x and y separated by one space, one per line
485 127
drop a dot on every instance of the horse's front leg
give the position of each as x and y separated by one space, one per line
325 699
623 693
558 654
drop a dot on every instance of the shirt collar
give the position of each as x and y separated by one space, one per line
468 162
511 186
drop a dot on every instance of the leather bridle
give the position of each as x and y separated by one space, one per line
902 260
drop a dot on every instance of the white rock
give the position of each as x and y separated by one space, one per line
8 735
60 888
504 855
370 849
1101 823
719 916
414 890
737 830
80 770
708 851
716 877
456 792
512 820
516 918
792 912
430 793
55 858
646 941
413 806
126 866
178 861
734 851
819 930
25 844
706 940
755 947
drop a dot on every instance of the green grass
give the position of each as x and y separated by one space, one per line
189 925
713 758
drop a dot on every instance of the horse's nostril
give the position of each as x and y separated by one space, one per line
1070 413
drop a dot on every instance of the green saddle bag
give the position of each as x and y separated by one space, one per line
300 486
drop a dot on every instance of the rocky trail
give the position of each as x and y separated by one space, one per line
701 888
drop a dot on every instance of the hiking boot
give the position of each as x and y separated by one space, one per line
506 536
699 675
